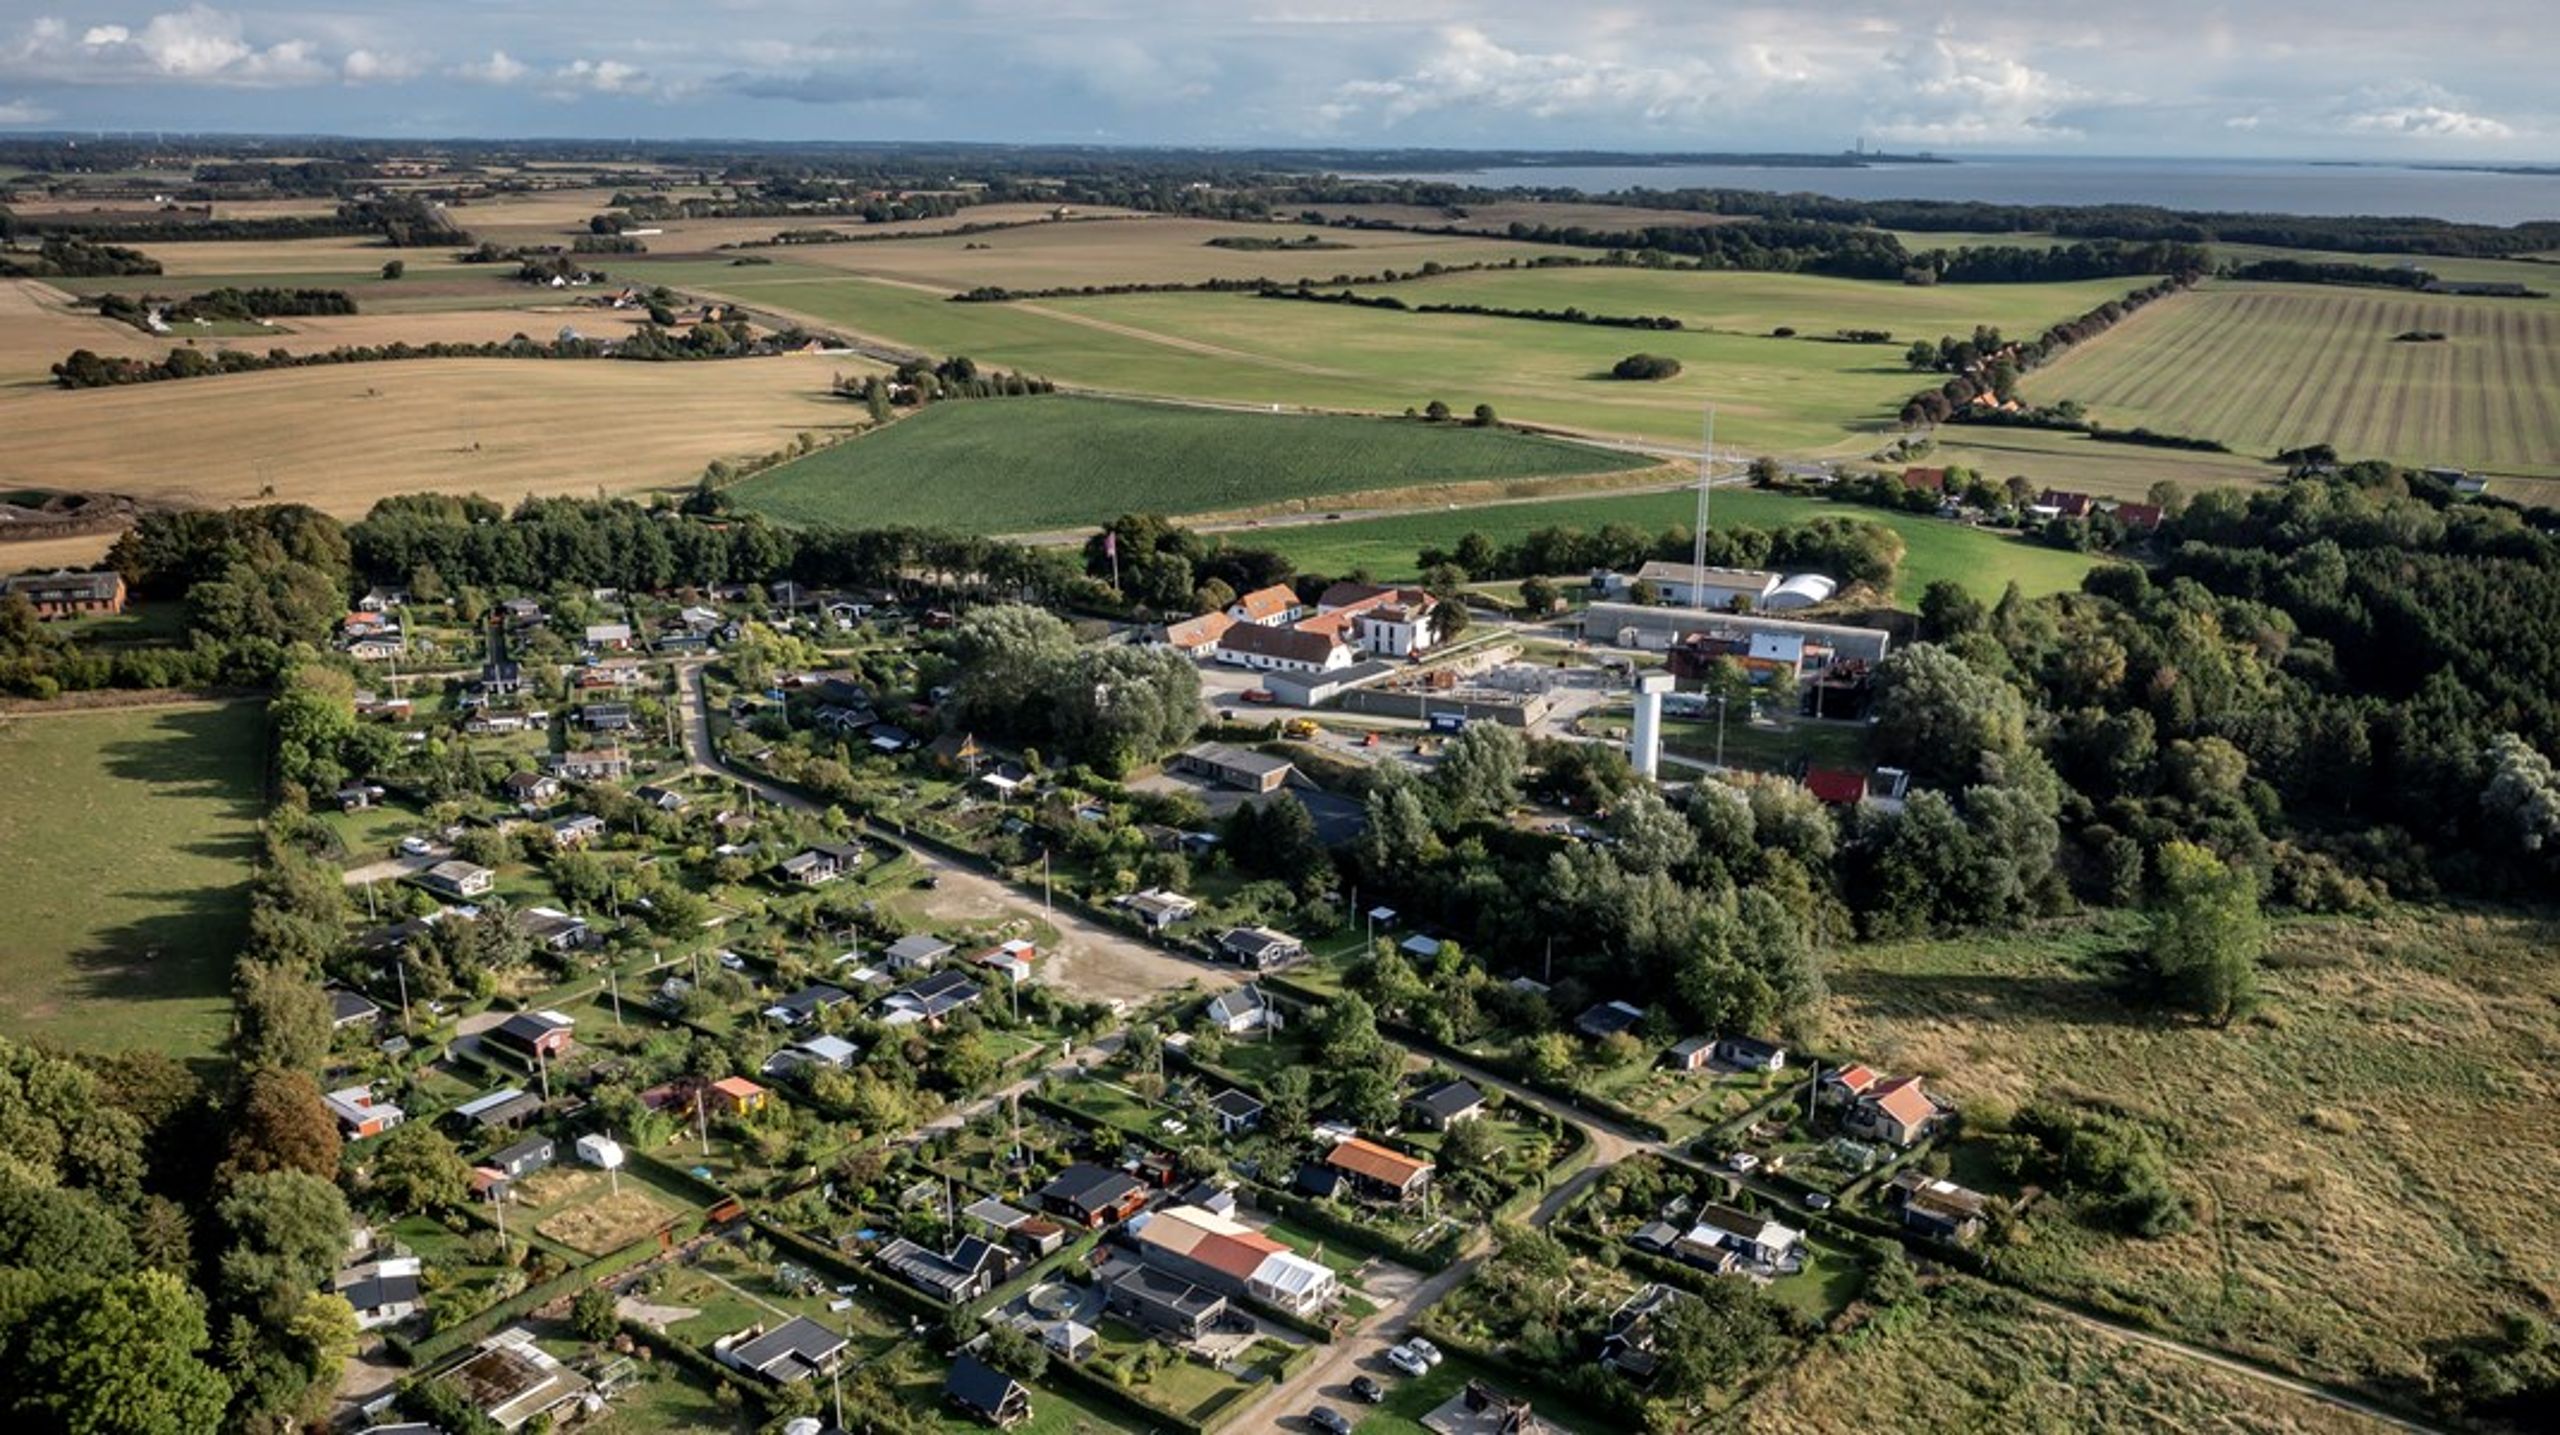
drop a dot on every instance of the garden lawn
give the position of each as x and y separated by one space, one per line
2349 1157
127 838
1054 461
1387 547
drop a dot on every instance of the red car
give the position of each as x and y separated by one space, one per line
1262 696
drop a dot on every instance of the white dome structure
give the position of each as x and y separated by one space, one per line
1801 590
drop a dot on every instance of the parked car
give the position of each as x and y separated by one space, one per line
1261 697
1403 1358
1430 1353
1816 1201
1329 1420
1368 1390
416 847
733 962
1743 1161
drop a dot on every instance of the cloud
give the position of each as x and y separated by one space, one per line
363 66
839 85
197 45
1472 71
598 77
499 69
23 112
2418 111
1944 91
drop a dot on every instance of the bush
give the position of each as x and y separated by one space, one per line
1645 366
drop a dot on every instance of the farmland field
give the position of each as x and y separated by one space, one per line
2348 1156
341 437
1796 396
128 837
1984 562
1975 1358
1017 464
2263 367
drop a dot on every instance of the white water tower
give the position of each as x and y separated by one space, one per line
1644 743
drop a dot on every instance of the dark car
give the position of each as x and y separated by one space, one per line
1368 1390
1329 1420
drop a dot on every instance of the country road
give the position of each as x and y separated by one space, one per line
1090 961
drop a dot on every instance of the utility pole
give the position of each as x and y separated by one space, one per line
542 1063
400 964
1698 539
613 986
701 1123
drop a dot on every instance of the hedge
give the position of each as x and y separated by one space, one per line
445 1342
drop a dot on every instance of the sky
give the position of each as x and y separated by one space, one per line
2374 79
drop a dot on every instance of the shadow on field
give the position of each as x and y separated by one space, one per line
182 944
2093 998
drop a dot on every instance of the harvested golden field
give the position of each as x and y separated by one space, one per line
343 436
2361 1161
1971 1357
38 327
1144 251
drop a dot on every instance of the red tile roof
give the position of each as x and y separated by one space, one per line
1376 1162
1291 644
1904 1101
1200 631
1858 1079
1932 479
1264 604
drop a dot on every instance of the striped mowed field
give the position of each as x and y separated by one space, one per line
2263 367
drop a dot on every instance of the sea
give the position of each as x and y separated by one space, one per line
2226 185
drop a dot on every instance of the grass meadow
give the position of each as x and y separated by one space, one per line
1052 461
2350 1155
1986 563
1975 1358
2263 367
128 837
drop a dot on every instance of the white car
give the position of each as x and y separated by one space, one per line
1743 1161
1430 1353
1403 1358
733 961
416 847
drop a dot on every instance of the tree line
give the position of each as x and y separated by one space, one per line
88 369
227 303
1995 370
1551 316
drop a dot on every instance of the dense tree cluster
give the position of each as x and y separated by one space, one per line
1993 370
1022 675
63 256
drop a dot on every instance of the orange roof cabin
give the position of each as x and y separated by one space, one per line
1897 1111
1379 1173
2141 517
737 1096
1932 479
2069 505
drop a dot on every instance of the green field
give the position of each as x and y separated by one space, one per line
1799 395
2264 366
1985 563
1010 465
128 838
